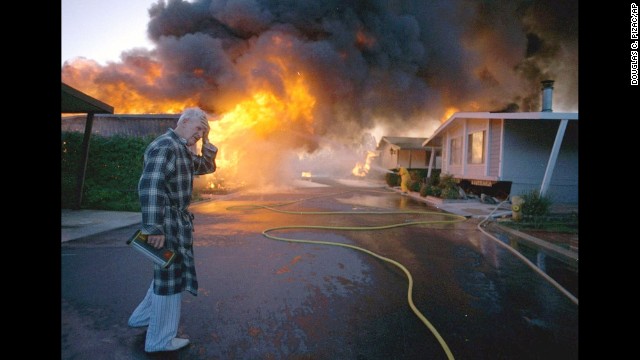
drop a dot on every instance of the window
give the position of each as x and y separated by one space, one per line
475 151
455 148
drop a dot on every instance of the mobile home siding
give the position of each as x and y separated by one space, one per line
564 182
412 159
527 146
419 159
495 131
387 160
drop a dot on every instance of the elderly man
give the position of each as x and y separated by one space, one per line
165 189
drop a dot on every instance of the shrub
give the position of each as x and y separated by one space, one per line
113 170
414 185
392 179
418 174
424 188
535 207
434 179
449 187
430 190
450 193
435 191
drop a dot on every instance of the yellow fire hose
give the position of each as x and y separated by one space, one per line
564 291
453 219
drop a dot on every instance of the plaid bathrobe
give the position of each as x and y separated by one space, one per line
165 189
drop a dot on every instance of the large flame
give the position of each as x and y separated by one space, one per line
253 135
117 91
362 169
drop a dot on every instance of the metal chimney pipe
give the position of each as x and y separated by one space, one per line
547 94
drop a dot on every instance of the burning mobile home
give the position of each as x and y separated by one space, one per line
513 152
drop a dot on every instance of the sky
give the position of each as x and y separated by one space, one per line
299 78
100 30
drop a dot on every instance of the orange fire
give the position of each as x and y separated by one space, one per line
447 114
363 40
361 169
254 133
118 91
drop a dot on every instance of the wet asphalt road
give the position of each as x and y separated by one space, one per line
266 299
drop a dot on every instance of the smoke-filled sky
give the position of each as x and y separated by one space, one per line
313 73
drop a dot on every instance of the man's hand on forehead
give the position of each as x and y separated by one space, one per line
204 122
205 138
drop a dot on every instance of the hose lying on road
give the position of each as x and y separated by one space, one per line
274 207
526 261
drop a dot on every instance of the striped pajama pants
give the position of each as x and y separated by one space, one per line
162 314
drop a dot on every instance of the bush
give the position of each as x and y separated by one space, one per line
450 193
392 179
113 170
440 186
434 179
535 207
435 191
448 187
414 185
424 188
430 190
418 174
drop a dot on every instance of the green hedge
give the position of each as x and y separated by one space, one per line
113 170
392 179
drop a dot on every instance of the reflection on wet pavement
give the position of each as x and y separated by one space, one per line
457 267
265 299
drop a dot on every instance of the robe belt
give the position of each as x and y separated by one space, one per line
186 215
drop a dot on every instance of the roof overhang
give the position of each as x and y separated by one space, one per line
75 101
436 140
403 143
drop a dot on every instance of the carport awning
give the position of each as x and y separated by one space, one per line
75 101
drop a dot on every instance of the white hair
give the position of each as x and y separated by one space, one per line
193 113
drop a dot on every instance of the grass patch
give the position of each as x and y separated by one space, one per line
560 223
